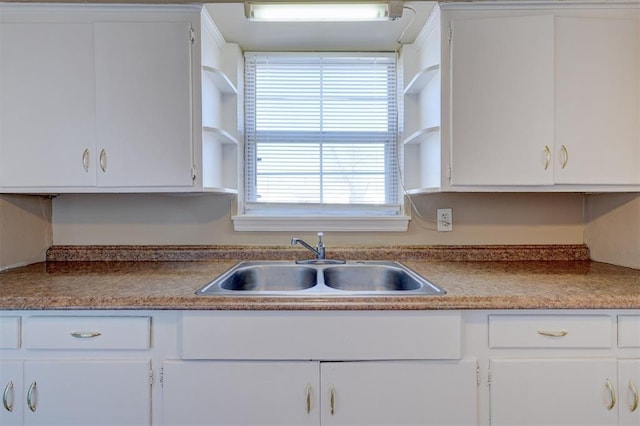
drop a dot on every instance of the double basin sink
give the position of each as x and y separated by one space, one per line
321 278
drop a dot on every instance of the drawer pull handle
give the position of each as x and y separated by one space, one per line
85 334
636 398
308 399
612 395
6 395
560 333
332 400
32 397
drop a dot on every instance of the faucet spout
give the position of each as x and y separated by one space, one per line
319 251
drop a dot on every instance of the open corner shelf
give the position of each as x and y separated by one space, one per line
221 135
221 80
421 135
421 79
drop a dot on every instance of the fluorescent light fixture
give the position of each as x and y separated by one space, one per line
314 12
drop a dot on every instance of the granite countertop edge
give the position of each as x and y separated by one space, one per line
475 278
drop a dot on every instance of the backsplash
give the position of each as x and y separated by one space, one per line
211 253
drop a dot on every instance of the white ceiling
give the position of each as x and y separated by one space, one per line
320 36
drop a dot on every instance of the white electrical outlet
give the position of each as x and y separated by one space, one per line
445 220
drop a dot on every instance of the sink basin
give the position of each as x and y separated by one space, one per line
270 278
370 278
364 278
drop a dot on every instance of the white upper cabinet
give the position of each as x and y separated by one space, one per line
536 100
143 103
596 91
97 98
502 101
47 113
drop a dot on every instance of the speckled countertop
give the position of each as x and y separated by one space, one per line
522 277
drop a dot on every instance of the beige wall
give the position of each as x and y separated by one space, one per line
533 218
25 229
612 228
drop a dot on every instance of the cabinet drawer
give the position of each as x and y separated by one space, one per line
9 332
321 335
550 331
629 331
48 332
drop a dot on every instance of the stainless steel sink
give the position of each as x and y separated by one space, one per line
365 278
270 278
371 278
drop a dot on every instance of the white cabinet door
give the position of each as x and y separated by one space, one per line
597 118
629 391
558 392
12 393
396 393
47 113
502 101
241 393
83 393
311 393
143 104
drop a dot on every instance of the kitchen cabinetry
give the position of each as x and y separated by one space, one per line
143 104
543 100
542 367
555 388
314 393
312 368
569 391
11 381
221 109
47 113
81 392
629 370
628 390
96 100
47 381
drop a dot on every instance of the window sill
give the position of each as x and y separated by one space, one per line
321 223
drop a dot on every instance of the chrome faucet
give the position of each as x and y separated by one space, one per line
318 251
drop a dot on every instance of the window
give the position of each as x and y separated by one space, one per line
321 136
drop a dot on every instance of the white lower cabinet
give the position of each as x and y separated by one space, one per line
319 393
629 388
75 370
560 370
241 393
553 392
12 392
320 368
399 393
76 392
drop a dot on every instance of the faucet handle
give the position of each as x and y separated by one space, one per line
320 242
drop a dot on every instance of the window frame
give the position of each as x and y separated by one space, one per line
260 216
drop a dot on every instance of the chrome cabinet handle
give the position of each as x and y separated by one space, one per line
565 156
85 334
32 397
636 398
8 397
85 160
612 395
332 400
547 156
560 333
308 399
103 160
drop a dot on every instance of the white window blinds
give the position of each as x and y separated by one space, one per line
321 130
